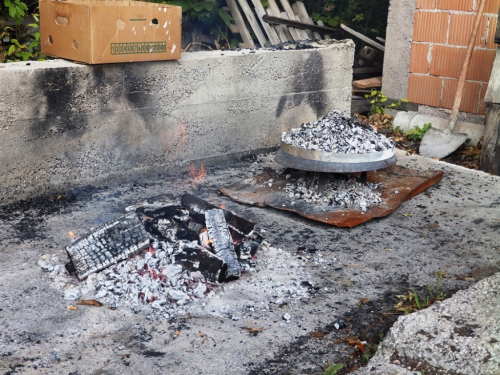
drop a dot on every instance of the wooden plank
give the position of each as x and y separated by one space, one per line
297 24
271 33
253 22
376 69
368 82
240 23
291 16
293 32
363 38
321 23
280 29
275 11
302 32
300 10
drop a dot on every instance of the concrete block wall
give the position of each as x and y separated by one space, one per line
65 125
441 32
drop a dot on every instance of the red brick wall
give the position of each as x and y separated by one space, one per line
441 32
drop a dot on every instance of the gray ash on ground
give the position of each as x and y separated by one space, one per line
337 133
337 192
179 259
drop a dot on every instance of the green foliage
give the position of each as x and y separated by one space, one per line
416 134
332 370
19 32
368 17
207 15
377 100
369 353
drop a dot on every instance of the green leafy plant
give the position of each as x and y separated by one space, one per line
417 133
19 32
369 17
369 353
377 101
208 15
332 369
436 292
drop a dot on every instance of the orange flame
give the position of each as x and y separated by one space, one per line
72 235
183 133
197 176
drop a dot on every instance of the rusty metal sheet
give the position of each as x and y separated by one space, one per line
397 185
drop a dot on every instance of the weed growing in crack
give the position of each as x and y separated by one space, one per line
412 302
333 369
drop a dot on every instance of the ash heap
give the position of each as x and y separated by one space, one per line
337 133
162 255
337 193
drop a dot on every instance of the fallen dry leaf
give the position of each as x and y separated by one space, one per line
363 301
72 307
318 335
90 302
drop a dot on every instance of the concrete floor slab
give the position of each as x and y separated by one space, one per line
320 273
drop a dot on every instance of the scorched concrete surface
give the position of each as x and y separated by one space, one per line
65 125
309 277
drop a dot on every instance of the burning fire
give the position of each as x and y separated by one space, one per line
72 235
197 176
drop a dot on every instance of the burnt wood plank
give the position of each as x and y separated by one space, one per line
107 244
222 243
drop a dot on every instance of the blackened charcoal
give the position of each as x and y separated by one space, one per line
166 212
195 258
239 227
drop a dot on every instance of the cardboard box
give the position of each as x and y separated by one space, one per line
100 31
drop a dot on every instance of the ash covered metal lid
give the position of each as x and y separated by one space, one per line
335 144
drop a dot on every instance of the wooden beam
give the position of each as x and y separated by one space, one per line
300 10
291 16
280 29
297 24
363 38
275 11
253 22
367 83
271 34
377 69
320 23
240 23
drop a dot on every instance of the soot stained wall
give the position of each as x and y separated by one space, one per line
64 125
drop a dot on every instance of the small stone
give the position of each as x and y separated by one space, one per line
72 294
234 317
47 267
287 317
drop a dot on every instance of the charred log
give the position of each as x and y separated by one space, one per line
195 258
222 242
108 244
239 227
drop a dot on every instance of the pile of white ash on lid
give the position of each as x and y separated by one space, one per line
337 133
